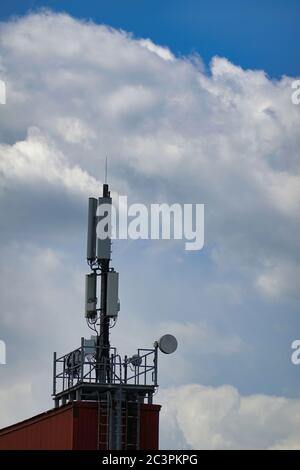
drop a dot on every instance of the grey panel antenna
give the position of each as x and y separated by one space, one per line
104 244
91 238
112 301
91 295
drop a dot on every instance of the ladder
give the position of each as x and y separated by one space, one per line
132 427
118 422
104 418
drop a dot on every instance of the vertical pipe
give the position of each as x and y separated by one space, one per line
82 360
64 372
113 369
54 373
138 423
125 369
155 361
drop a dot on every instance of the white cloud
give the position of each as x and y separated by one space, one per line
231 137
37 160
279 281
220 418
16 400
201 338
74 131
162 52
228 138
38 301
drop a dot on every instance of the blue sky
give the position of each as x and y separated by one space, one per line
256 34
226 136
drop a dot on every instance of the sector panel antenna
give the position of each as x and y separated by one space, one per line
104 228
91 295
91 238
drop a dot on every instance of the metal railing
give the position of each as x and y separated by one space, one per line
80 367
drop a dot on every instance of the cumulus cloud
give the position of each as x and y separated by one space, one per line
225 137
204 339
37 300
36 160
279 280
162 52
231 134
220 418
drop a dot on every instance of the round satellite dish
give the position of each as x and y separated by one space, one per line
167 344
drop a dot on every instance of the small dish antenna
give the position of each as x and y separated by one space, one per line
135 360
167 344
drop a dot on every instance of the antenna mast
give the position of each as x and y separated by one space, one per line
105 181
103 344
95 371
98 257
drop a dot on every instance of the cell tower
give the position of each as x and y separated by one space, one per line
95 371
